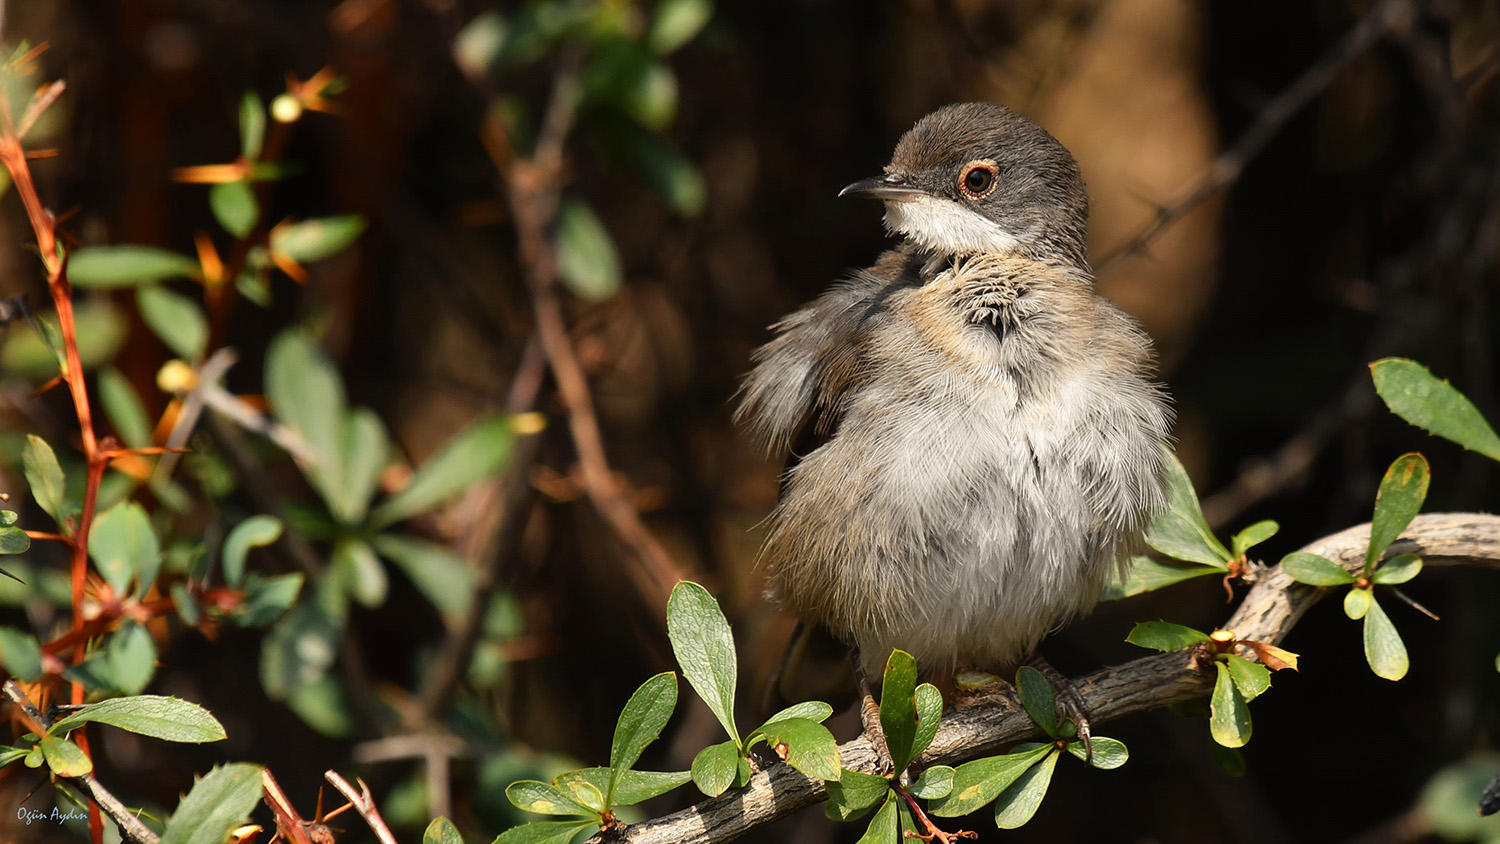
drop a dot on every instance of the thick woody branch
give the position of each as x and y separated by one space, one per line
1270 609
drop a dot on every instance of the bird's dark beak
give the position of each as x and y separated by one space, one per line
890 187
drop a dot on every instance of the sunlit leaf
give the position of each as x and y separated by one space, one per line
1357 602
363 576
441 831
543 832
853 794
1252 536
884 827
1229 717
1402 491
641 721
704 646
254 532
63 757
1181 531
587 259
1419 397
157 716
127 266
977 783
1384 649
1165 636
543 799
123 406
1252 678
44 476
632 787
1315 570
20 654
476 452
929 706
1398 569
252 125
1108 753
714 766
101 332
898 708
316 239
675 22
813 710
124 546
1145 574
439 574
935 782
1018 803
233 205
217 803
805 745
174 318
307 394
366 453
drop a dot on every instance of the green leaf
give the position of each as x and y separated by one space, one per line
101 332
714 766
127 266
633 787
884 827
13 540
1384 649
1229 717
1036 696
1108 753
63 757
44 476
675 22
1018 803
366 452
929 706
586 257
1181 532
131 657
442 831
233 205
543 799
20 654
1416 395
1402 491
1252 536
123 406
165 718
977 783
853 794
355 562
642 720
1398 569
266 600
585 794
1357 602
805 745
813 710
898 707
306 392
1145 574
934 783
440 575
1165 636
1315 570
476 452
1252 678
123 546
543 832
704 647
316 239
177 320
217 804
254 532
252 126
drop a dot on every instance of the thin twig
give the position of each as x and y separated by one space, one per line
1270 610
533 194
363 803
1387 16
130 826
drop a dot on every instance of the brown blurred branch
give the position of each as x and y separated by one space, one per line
1387 16
534 186
362 803
130 826
1270 610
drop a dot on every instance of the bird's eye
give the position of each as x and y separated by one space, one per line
978 179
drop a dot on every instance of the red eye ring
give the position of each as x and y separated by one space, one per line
978 178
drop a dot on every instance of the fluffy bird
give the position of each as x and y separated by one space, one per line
976 439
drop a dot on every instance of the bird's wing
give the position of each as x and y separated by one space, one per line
793 397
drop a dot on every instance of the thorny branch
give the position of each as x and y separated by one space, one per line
1270 610
1384 18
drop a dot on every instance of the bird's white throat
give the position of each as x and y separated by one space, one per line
944 226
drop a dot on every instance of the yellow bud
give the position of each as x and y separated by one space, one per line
176 376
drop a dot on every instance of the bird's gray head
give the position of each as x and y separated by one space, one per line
978 177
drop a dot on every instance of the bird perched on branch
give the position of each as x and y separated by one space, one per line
976 440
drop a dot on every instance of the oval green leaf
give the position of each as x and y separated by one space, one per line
476 452
934 783
1018 803
314 240
1251 678
1357 602
1164 636
713 767
127 266
543 832
157 716
885 826
805 745
1252 536
1398 569
44 476
929 713
704 647
20 654
1146 574
233 205
1037 698
544 799
1421 398
124 547
587 260
813 710
441 831
1384 649
13 540
853 794
1229 716
254 532
63 757
977 783
217 803
1181 531
1108 753
1315 570
642 720
1402 491
675 22
898 708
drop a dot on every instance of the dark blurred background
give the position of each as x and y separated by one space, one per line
1364 224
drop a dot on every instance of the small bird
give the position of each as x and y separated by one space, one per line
976 441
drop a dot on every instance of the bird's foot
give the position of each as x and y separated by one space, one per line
869 720
1069 704
930 830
